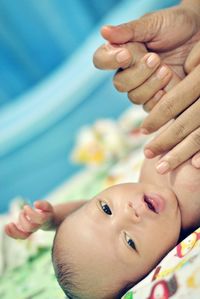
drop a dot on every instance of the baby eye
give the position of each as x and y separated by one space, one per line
105 208
130 242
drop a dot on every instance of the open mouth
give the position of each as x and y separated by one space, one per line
150 204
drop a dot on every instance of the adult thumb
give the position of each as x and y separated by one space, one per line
142 30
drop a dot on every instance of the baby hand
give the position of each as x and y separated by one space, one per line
30 220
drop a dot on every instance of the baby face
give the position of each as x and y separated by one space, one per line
119 235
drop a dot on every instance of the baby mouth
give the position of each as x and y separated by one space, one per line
150 204
155 202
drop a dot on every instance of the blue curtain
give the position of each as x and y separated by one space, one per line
37 35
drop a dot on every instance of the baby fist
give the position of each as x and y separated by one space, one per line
30 220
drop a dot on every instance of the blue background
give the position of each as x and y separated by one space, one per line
49 87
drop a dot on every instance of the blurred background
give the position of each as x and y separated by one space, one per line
49 87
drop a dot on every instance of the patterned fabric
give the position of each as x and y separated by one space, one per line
177 276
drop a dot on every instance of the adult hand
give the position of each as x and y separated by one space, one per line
171 33
192 61
181 138
186 128
193 58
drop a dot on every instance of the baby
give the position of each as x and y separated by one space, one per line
104 246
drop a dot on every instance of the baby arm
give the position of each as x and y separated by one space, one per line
42 216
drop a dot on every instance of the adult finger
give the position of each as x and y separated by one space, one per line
185 124
112 57
180 153
148 106
138 73
174 102
196 160
141 30
160 30
157 81
193 58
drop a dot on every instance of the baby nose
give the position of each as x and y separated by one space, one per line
132 212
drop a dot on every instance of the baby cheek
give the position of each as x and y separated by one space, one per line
186 178
188 185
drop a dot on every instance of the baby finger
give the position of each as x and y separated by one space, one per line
26 224
37 217
43 205
12 231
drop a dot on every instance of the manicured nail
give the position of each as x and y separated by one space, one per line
148 153
162 72
144 131
152 60
162 167
123 56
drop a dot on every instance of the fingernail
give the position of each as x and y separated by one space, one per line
108 26
162 167
28 218
123 56
144 131
148 153
162 72
19 227
196 161
158 95
152 60
40 211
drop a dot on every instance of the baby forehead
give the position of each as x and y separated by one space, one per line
81 223
81 236
76 224
121 187
85 227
